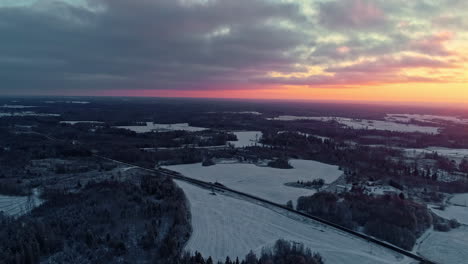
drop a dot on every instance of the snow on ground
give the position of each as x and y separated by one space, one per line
67 102
460 199
366 124
240 112
265 182
246 138
248 113
445 247
227 226
406 118
25 113
17 106
19 205
150 126
460 213
306 134
454 154
457 208
76 122
382 190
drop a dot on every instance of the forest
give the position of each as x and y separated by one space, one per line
104 223
283 252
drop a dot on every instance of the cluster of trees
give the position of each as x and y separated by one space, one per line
106 221
283 252
390 217
316 183
280 163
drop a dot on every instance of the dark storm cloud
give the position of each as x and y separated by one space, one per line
146 44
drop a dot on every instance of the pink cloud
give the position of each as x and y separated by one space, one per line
434 44
343 50
364 11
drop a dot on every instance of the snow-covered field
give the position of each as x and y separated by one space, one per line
446 247
437 119
77 122
382 190
18 205
460 199
246 138
306 134
264 182
67 102
366 124
454 154
224 225
25 113
457 208
16 106
150 126
460 213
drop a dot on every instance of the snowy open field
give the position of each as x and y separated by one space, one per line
150 126
16 106
224 225
264 182
67 102
405 118
460 199
25 113
457 208
77 122
246 138
453 154
18 205
306 134
366 124
446 247
460 213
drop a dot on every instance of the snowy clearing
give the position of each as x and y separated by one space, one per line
265 182
17 106
246 113
227 226
436 119
306 134
446 247
78 122
457 208
460 213
383 190
19 205
460 199
454 154
366 124
67 102
240 112
150 127
25 113
246 138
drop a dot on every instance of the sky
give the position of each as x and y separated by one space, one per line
352 50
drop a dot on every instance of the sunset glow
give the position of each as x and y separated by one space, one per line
358 50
